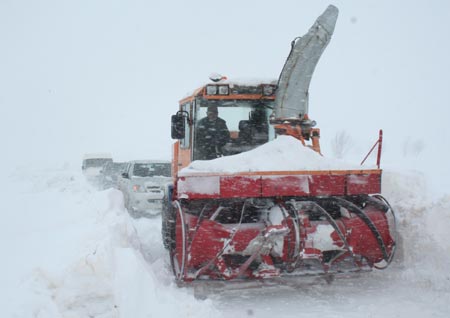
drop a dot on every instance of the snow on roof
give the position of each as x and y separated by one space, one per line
282 154
98 155
237 81
248 81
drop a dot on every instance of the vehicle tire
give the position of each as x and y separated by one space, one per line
134 214
168 226
178 255
168 220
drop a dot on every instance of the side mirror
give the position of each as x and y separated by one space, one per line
178 127
125 175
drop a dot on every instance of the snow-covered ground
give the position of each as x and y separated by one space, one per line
82 76
70 250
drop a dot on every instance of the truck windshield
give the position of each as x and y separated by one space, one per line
247 122
151 170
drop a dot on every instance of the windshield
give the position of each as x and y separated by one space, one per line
247 122
95 162
151 169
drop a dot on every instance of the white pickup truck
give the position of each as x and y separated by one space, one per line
143 186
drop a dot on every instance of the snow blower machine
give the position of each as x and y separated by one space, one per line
266 203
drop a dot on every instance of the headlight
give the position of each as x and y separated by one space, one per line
211 90
224 90
217 90
138 188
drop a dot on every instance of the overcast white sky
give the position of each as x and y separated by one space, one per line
98 75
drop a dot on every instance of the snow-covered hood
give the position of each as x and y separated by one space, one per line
282 154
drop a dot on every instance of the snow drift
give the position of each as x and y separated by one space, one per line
74 251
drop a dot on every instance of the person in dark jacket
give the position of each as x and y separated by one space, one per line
212 135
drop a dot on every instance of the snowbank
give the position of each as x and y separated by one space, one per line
75 252
422 226
281 154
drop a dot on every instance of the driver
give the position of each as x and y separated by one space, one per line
212 135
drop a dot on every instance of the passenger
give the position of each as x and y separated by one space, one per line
212 135
258 121
254 131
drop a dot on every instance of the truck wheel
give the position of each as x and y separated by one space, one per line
168 226
178 254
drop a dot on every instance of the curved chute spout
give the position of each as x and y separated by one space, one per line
291 103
